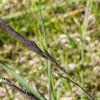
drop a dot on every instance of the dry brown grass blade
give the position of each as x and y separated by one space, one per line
74 12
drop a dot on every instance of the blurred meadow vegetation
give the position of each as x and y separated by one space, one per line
69 30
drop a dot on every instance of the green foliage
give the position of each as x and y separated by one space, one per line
72 39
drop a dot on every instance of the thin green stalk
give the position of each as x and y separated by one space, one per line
42 27
47 63
83 33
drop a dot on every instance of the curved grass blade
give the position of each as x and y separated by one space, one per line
72 81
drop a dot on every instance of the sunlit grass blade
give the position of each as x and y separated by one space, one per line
83 35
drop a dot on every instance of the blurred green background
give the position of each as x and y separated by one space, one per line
72 32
